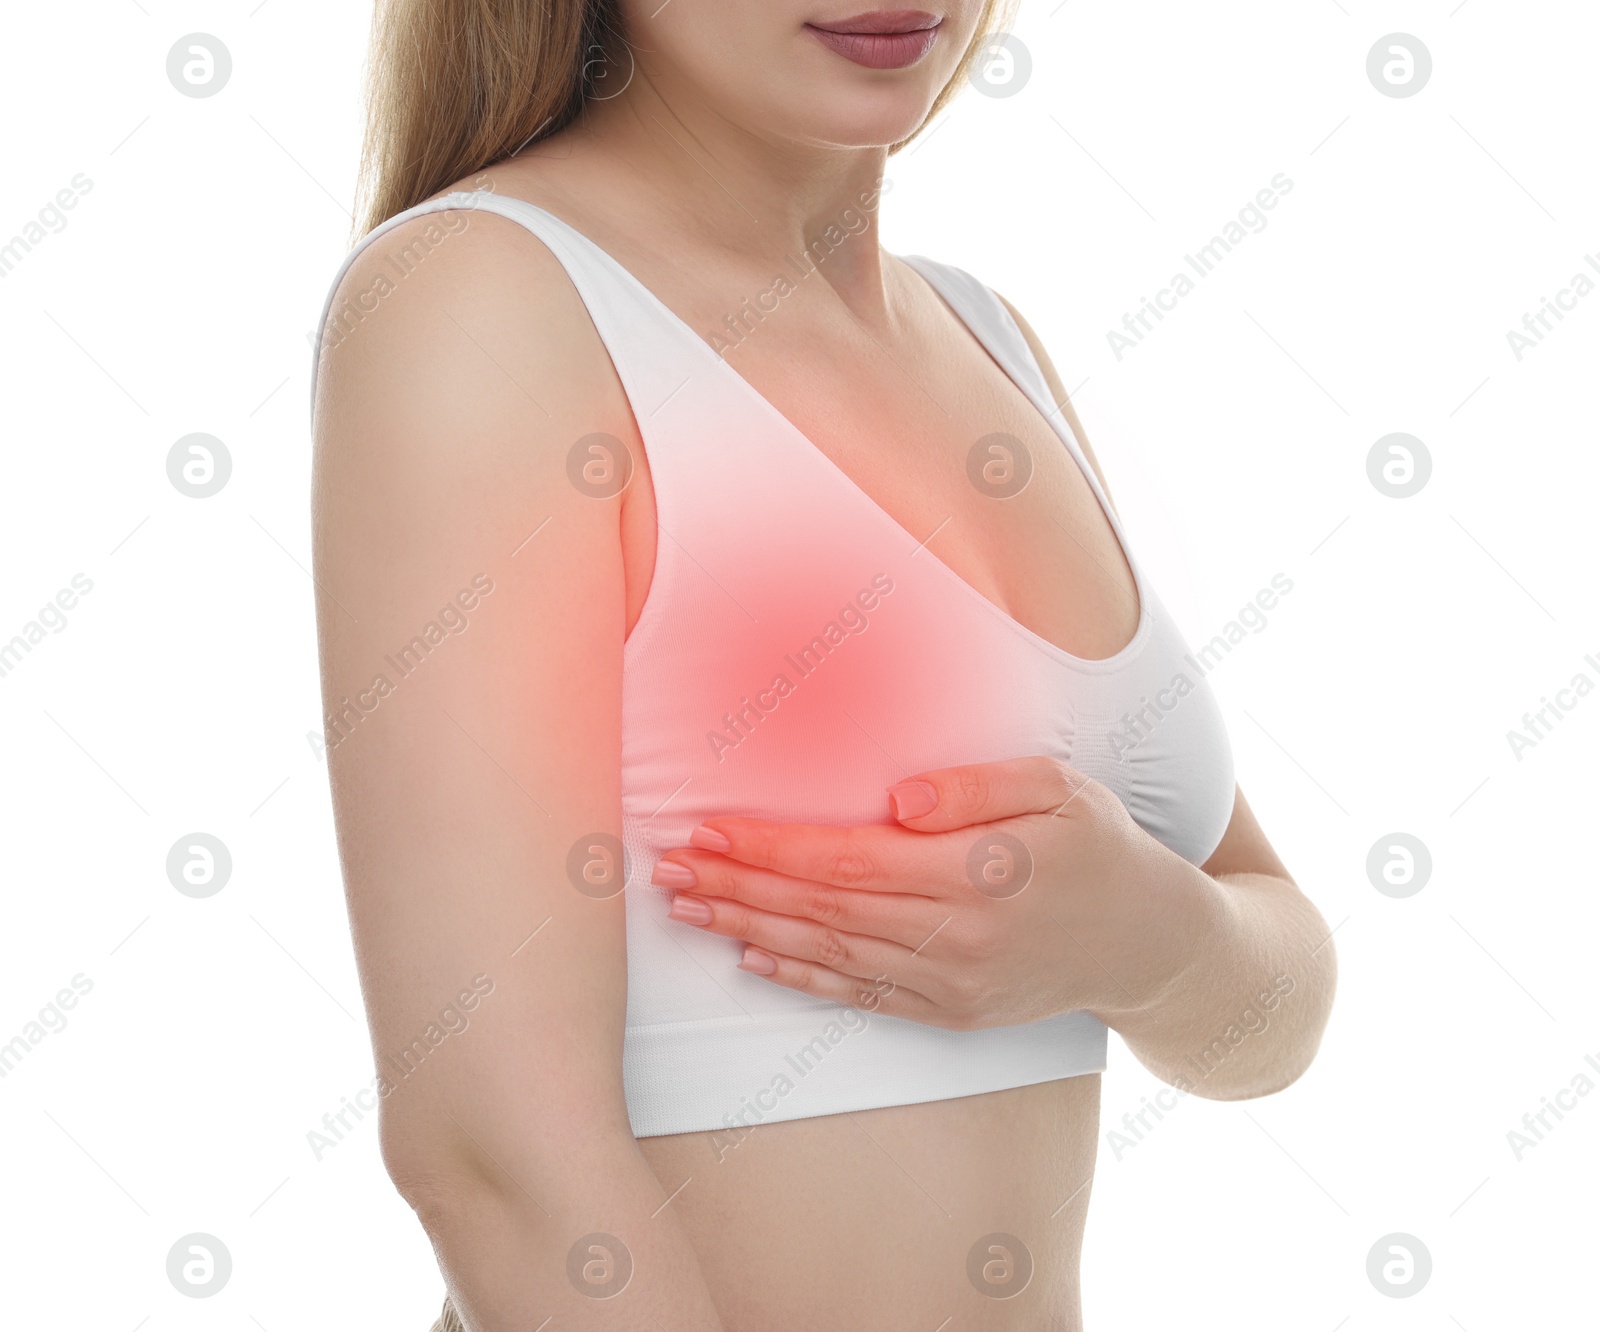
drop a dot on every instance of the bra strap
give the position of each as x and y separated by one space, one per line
652 353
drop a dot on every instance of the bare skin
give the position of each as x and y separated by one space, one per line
443 425
866 1219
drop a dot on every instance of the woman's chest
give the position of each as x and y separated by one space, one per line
924 424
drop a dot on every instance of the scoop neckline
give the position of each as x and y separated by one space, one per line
1095 665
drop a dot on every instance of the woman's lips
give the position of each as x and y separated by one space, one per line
885 39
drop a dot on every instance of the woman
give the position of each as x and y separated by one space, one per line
762 777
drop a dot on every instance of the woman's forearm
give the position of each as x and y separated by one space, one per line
596 1246
1244 1015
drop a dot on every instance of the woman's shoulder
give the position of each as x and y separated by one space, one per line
455 292
447 244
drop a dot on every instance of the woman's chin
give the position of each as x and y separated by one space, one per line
877 124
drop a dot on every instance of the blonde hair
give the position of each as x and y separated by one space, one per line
455 86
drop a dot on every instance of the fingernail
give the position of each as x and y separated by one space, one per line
670 874
690 910
913 799
763 964
709 839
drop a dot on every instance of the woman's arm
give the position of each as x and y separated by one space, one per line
1278 967
1220 978
471 617
1267 965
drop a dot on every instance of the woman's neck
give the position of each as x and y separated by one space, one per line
720 185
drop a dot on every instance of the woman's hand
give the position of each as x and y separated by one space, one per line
1012 891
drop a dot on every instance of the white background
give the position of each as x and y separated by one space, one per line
178 698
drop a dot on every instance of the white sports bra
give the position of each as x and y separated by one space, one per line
798 652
